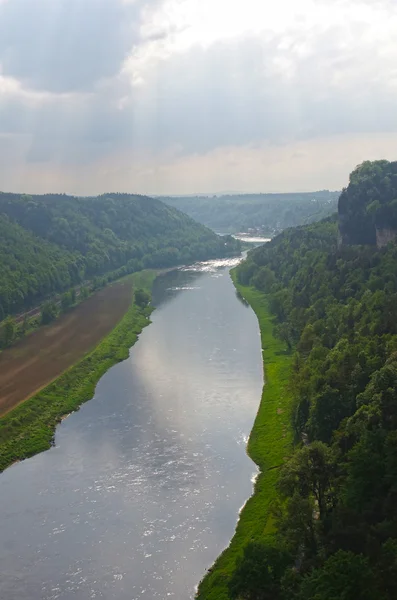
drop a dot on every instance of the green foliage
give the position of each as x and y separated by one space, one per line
49 312
84 293
268 213
344 576
67 300
335 507
369 202
141 297
258 573
8 331
310 473
50 244
31 268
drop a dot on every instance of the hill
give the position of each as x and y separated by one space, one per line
368 206
52 242
326 524
266 213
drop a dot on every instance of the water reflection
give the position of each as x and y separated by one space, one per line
241 299
252 239
143 488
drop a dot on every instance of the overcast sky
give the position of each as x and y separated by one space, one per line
184 96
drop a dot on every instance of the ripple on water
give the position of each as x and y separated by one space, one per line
211 266
143 489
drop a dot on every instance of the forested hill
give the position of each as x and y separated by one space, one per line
335 527
267 213
368 206
52 242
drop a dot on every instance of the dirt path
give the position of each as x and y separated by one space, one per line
35 361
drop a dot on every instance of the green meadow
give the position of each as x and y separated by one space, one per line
270 443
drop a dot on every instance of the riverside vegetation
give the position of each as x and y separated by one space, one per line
29 428
322 524
270 441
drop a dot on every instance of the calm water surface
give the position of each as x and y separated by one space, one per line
143 488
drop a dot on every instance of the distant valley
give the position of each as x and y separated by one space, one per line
262 214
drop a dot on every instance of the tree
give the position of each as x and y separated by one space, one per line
245 272
297 524
142 298
258 573
310 472
264 279
344 576
84 292
307 339
25 325
49 312
282 331
66 301
387 569
8 331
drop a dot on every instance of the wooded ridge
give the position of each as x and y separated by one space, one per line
334 522
51 243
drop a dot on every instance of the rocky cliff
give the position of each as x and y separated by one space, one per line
384 236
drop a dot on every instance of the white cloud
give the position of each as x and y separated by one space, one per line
183 83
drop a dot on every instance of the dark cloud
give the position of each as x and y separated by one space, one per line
65 45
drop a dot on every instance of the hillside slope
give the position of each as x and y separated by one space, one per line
30 267
332 529
49 243
267 213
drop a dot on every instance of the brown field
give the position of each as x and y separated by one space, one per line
40 358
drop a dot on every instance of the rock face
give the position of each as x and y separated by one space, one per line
384 236
367 208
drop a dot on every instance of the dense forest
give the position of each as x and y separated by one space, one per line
368 206
266 213
51 243
335 306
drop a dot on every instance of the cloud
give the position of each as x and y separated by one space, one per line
87 84
251 90
65 45
300 166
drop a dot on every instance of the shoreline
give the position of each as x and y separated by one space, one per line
269 444
30 427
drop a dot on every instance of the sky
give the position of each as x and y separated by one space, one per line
194 96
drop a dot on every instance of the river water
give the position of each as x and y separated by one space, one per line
143 488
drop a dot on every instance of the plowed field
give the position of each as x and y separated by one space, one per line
40 358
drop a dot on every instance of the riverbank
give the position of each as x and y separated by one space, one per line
30 427
35 361
269 445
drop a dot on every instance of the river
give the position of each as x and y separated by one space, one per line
143 487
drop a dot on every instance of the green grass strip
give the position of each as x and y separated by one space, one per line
270 443
30 427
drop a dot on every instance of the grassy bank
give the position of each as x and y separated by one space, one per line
269 444
30 427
